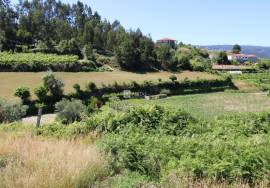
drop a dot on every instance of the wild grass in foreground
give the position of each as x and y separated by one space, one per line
27 162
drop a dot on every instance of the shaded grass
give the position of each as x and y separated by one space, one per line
208 106
9 81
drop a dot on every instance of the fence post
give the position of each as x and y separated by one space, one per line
39 116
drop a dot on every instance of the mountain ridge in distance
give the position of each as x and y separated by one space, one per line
260 51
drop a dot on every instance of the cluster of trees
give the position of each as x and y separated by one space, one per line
184 57
52 26
222 57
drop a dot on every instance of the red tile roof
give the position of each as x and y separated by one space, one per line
165 40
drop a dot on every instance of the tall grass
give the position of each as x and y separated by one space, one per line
27 162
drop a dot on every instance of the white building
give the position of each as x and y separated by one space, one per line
242 58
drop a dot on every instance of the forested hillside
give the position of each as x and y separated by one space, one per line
75 29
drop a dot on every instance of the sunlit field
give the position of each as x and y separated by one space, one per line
9 81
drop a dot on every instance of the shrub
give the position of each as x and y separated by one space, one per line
91 86
173 78
53 85
156 142
23 93
10 112
93 105
200 64
41 93
165 91
70 111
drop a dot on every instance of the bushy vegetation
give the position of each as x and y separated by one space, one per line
184 57
10 112
156 143
51 91
70 111
25 62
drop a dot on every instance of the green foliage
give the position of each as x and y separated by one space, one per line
260 80
173 78
165 91
68 47
10 112
222 58
191 58
23 93
91 86
53 85
154 142
88 52
35 58
41 93
264 64
164 55
236 49
126 54
70 111
93 105
200 64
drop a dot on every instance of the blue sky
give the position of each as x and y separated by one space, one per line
192 21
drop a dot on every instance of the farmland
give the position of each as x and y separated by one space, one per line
35 58
9 81
260 80
210 105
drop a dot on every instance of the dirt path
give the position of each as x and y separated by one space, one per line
45 119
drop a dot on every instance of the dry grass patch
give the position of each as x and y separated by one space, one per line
9 81
28 162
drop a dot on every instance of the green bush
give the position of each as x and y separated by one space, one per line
10 112
70 111
23 93
41 93
173 78
155 142
53 85
200 64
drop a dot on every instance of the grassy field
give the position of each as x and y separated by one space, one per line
9 81
27 161
209 105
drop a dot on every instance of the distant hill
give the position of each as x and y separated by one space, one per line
260 51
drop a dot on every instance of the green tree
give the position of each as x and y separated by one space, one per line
164 55
53 85
23 93
126 54
236 49
222 58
